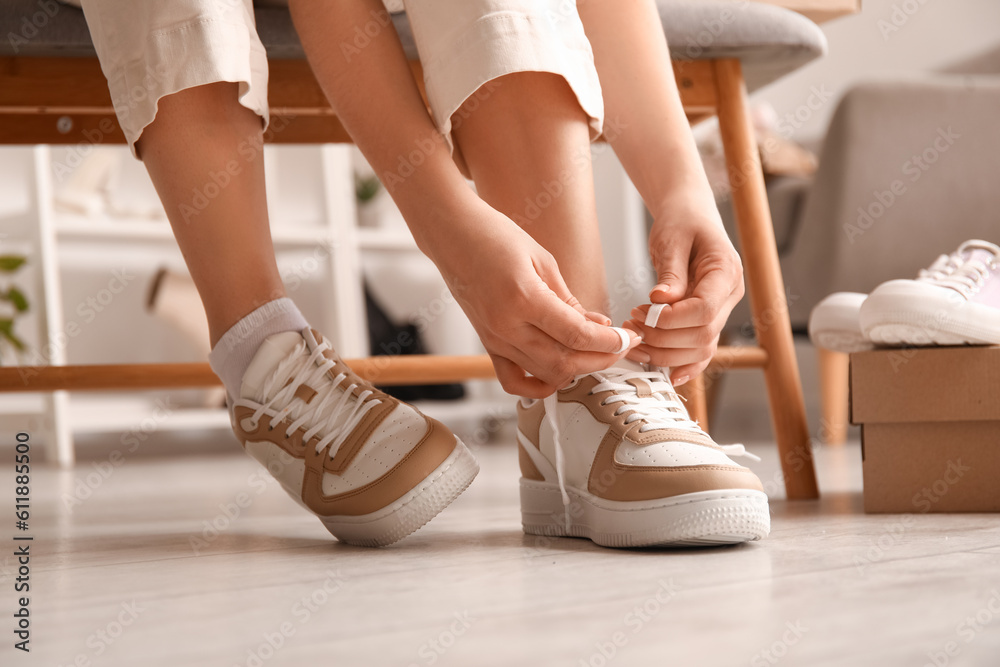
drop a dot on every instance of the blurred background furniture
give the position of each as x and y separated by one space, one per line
907 171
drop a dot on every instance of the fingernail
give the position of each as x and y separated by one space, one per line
637 314
636 341
640 356
681 380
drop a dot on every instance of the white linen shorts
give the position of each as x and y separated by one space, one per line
153 48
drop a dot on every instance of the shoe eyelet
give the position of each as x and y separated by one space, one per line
248 424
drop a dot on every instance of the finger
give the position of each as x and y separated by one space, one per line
676 357
554 363
572 329
552 277
651 314
599 318
672 261
686 337
711 295
684 374
516 382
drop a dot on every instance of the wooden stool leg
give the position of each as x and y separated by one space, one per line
697 407
833 378
764 282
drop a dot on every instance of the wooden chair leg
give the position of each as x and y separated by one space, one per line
697 407
833 378
764 282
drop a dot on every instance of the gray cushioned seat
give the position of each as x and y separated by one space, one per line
769 40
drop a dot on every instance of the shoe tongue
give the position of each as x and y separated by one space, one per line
271 351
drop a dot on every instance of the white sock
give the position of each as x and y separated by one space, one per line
235 350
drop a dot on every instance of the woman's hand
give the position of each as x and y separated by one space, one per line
700 276
513 293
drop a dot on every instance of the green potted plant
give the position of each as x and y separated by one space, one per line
13 305
366 189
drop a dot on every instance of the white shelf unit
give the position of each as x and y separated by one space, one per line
317 219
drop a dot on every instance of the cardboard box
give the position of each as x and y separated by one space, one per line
930 428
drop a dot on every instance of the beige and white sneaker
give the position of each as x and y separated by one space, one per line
371 468
615 458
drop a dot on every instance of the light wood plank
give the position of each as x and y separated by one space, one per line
819 11
383 370
834 371
387 370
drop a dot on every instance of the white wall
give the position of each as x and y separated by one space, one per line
932 34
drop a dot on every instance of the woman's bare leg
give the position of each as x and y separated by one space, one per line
526 142
203 153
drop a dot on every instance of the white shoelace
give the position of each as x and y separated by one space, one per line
661 409
965 275
334 409
940 269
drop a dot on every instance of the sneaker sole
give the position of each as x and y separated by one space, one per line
928 320
707 518
410 512
841 340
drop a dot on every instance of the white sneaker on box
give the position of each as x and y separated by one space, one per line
955 303
834 323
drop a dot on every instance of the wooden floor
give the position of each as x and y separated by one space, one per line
131 576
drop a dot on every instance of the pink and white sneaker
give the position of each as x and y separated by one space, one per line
956 305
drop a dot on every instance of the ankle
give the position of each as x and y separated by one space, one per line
236 347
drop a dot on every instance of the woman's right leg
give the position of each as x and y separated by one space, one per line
371 468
